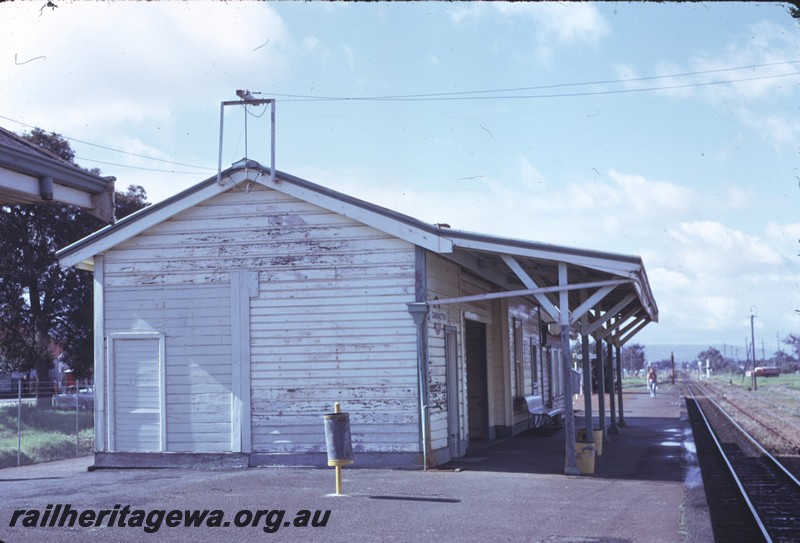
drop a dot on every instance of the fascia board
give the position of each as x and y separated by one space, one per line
614 266
374 218
20 185
82 251
27 187
17 187
40 166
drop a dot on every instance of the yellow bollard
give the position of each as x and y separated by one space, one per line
337 442
337 409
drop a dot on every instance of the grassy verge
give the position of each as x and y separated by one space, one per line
638 382
784 381
46 435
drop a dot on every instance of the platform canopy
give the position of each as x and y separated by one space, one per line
604 295
31 175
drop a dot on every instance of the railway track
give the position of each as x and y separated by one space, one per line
779 424
752 497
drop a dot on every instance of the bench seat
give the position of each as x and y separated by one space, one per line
538 412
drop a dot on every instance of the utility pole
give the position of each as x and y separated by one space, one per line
672 357
753 346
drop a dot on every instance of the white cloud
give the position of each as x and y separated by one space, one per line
731 75
732 247
784 231
668 278
310 43
530 177
348 51
780 131
565 23
552 23
467 12
82 43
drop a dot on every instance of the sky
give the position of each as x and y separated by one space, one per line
670 131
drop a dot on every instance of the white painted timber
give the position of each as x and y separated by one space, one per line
364 215
136 398
26 188
443 282
329 321
196 323
606 262
100 359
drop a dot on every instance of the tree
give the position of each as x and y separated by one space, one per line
633 357
44 306
715 359
793 341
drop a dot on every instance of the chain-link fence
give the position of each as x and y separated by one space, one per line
39 422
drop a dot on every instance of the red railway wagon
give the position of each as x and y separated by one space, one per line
763 371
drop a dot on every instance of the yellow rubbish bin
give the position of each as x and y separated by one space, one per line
598 439
585 457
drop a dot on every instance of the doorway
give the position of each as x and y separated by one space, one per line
454 394
477 389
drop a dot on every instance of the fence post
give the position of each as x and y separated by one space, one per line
19 420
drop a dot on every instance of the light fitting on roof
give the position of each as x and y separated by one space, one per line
244 95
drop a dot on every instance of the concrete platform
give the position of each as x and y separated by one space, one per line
646 484
646 488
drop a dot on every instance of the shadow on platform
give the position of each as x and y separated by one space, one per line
653 448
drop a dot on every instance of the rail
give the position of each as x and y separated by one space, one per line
770 491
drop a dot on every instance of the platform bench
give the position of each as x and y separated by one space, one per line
539 413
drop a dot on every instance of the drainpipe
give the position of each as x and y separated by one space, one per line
419 312
587 385
612 393
601 386
569 419
46 188
621 423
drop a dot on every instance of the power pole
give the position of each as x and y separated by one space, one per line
753 346
672 357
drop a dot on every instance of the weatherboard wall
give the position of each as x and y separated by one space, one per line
325 318
444 281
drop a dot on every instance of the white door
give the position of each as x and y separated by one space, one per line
136 393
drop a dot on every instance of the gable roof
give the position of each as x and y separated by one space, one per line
509 263
32 175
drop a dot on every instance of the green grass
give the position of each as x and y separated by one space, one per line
636 382
783 381
46 435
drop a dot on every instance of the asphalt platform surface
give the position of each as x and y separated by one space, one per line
646 487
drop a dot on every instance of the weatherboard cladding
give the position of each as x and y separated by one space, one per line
329 322
272 302
443 282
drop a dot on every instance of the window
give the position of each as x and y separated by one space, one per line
534 366
519 362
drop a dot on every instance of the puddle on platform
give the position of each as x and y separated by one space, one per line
694 477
